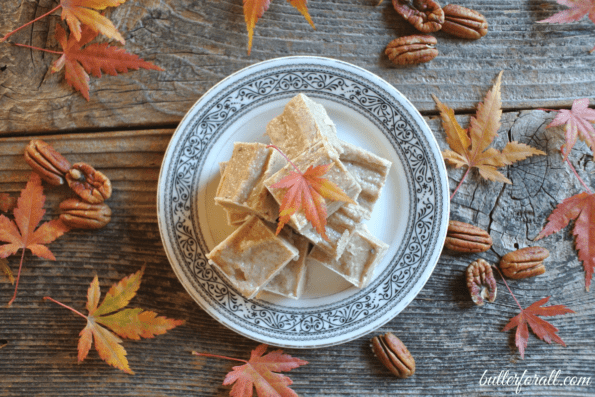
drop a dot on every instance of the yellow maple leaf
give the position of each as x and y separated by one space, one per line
469 147
127 323
254 9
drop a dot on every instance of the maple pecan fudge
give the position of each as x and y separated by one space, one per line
302 124
360 257
290 281
251 256
369 170
318 154
241 187
339 227
234 217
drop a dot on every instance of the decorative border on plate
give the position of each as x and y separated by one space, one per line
361 95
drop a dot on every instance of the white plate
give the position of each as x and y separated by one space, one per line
411 214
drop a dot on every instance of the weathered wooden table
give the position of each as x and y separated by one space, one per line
124 130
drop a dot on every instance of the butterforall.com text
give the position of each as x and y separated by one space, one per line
507 378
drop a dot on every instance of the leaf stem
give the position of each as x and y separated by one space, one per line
66 306
29 23
509 290
218 356
16 287
460 183
286 158
577 176
37 48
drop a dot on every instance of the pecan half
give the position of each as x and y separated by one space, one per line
464 22
523 263
50 165
425 15
394 355
481 282
463 237
410 50
90 184
78 214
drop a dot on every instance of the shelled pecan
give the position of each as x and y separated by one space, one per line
525 262
463 237
90 184
78 214
425 15
464 23
394 355
50 165
481 282
410 50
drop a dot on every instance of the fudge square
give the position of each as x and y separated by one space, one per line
241 189
339 227
318 154
251 256
290 281
369 170
302 124
356 265
234 216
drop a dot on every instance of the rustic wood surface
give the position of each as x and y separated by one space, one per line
125 128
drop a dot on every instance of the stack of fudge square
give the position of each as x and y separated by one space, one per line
253 258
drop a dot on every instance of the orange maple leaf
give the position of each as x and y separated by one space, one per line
94 58
544 330
77 12
22 234
7 202
257 373
307 191
254 9
470 146
127 323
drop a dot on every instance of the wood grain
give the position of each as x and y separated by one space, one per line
452 340
201 42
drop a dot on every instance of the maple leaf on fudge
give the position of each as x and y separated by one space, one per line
127 323
23 233
254 9
307 191
544 330
581 208
93 58
83 12
257 372
470 146
577 124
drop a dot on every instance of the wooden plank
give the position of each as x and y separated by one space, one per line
201 42
453 341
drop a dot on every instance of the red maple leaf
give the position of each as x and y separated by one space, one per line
577 124
541 328
307 191
23 234
578 9
258 373
581 208
94 58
